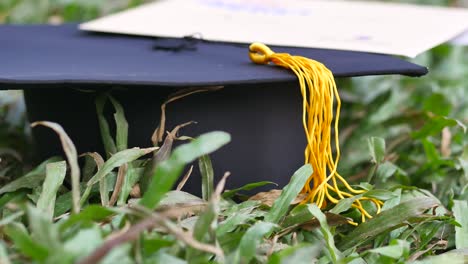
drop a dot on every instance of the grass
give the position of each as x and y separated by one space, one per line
403 140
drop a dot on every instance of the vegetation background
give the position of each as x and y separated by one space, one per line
404 139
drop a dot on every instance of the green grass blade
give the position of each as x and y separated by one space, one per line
117 160
298 254
386 221
30 180
42 229
333 252
55 174
72 158
4 254
207 176
107 140
395 250
92 213
132 177
168 172
377 149
247 187
162 257
252 239
84 242
6 220
203 231
460 211
24 242
163 154
250 242
121 137
104 192
289 193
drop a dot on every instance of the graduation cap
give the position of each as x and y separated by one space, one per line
261 106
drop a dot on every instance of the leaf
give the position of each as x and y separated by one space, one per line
168 172
207 176
152 245
289 193
55 174
131 178
103 185
177 204
302 215
387 220
376 149
395 250
121 123
4 254
344 204
247 187
394 201
159 132
30 180
385 171
89 214
162 257
298 254
72 158
250 242
379 194
6 220
84 242
333 252
269 198
173 198
237 214
120 254
104 192
204 229
438 104
163 154
460 209
452 257
25 244
107 140
435 125
43 230
12 197
117 160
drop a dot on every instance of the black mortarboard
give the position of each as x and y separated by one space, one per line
260 105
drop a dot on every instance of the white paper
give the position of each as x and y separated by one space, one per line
387 28
461 40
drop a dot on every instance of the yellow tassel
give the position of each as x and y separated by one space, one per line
319 92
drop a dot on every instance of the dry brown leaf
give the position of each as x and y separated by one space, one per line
96 157
72 158
184 179
135 192
268 198
162 154
332 220
181 211
118 184
159 132
445 142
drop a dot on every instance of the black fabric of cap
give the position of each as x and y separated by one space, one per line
57 55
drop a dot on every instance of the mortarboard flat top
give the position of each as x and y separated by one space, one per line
49 61
56 55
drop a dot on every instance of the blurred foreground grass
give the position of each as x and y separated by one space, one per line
403 138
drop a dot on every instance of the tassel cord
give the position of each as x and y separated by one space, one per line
319 93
